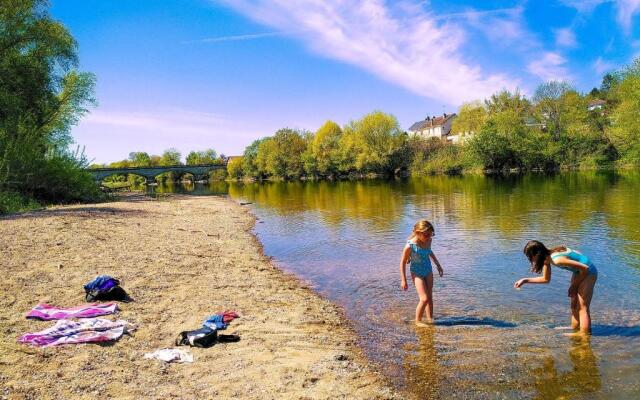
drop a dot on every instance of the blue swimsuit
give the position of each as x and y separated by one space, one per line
575 256
420 261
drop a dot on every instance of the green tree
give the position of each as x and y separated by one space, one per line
372 143
325 149
42 96
249 159
281 155
140 159
171 157
550 106
208 156
235 168
470 118
625 123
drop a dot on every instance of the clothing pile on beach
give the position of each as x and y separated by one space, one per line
90 329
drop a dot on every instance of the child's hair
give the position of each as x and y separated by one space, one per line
422 226
537 253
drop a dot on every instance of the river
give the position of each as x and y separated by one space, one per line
489 340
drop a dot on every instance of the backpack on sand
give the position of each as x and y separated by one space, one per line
203 337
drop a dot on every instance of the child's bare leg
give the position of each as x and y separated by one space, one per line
421 288
575 308
429 282
585 293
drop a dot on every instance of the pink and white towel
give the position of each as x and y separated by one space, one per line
84 331
47 312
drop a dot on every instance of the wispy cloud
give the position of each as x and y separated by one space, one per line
233 38
601 66
565 38
626 9
551 66
503 27
400 42
160 122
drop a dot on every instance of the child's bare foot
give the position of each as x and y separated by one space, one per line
565 328
424 325
577 334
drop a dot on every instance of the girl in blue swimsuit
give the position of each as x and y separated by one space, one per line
583 278
418 252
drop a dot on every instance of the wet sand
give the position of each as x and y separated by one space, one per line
181 259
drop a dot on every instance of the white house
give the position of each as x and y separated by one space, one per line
596 105
439 127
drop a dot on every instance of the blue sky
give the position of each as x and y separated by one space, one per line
197 74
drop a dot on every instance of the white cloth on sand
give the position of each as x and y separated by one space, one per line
171 355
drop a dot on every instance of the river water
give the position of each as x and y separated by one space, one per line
490 340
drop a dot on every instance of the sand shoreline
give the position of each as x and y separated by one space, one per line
181 259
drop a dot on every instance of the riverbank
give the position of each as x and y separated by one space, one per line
181 259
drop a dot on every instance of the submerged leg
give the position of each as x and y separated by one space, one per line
575 308
421 288
429 281
585 293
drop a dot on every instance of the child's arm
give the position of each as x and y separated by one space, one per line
435 260
545 278
403 262
584 271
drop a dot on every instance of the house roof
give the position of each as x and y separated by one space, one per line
597 102
431 122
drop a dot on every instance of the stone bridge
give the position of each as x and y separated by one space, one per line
199 172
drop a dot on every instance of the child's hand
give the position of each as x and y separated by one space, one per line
520 283
440 271
403 284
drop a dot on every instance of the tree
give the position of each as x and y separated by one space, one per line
171 157
471 117
550 105
372 143
208 156
140 159
235 168
325 148
625 124
281 155
42 96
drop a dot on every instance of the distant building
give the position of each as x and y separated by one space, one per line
596 104
439 127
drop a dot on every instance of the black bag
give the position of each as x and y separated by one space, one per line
203 337
116 293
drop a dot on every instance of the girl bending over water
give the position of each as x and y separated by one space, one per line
418 252
583 278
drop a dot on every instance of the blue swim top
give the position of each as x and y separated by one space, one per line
420 261
573 255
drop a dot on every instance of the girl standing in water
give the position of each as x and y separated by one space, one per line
583 278
418 252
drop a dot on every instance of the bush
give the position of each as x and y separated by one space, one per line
11 202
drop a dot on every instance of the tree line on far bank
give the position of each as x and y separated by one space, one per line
554 129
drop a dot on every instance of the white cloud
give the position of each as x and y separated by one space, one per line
601 66
235 38
400 42
627 9
565 37
550 66
160 122
504 27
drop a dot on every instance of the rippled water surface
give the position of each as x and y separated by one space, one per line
490 340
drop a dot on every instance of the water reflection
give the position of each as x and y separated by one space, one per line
583 377
487 335
421 364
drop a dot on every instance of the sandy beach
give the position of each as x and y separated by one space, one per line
181 259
